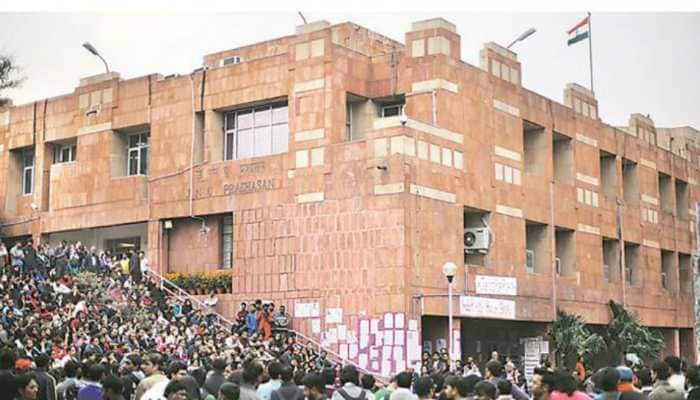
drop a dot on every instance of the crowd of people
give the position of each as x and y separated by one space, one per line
79 325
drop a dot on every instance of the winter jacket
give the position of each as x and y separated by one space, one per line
664 391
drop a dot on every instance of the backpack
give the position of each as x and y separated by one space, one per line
346 396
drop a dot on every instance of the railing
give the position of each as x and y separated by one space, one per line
174 290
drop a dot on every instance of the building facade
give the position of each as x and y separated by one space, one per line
336 170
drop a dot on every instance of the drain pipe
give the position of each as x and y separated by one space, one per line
194 120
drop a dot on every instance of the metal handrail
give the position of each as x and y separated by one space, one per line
180 293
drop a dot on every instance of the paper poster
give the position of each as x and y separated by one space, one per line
352 351
398 353
316 326
379 339
412 325
334 315
428 346
386 352
373 353
332 335
315 310
398 338
388 338
375 365
374 326
398 320
440 344
306 310
386 367
342 330
362 361
364 327
388 321
364 341
343 351
412 347
350 337
400 365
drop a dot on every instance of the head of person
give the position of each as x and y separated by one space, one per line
7 359
608 378
451 387
404 379
484 390
175 391
494 369
95 372
674 363
151 364
252 371
367 381
113 387
692 376
26 386
229 391
274 369
439 381
660 371
644 377
564 382
505 388
177 370
349 374
70 369
132 362
626 374
287 374
469 384
219 365
542 383
314 386
424 387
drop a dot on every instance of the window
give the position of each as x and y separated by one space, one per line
630 182
668 277
137 154
631 263
227 242
122 245
686 273
536 247
348 120
255 132
681 199
64 153
608 174
563 158
392 110
665 193
611 260
27 172
565 251
534 148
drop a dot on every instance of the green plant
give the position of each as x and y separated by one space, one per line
571 339
625 335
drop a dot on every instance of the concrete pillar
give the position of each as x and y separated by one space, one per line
155 246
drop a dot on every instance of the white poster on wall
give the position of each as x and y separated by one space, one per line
334 315
484 307
500 285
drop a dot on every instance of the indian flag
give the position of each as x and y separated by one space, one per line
579 31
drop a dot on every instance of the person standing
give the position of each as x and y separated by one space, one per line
3 257
29 257
17 257
46 382
135 266
663 390
151 367
677 379
287 390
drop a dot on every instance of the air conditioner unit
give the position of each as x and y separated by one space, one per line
476 240
557 265
230 60
530 261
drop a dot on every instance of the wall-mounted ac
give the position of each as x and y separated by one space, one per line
530 261
476 240
230 60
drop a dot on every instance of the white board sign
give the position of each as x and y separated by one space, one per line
500 285
334 315
471 306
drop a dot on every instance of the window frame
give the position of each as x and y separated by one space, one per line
60 148
401 107
227 251
231 134
28 168
138 149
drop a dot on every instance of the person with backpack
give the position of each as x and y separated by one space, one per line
350 385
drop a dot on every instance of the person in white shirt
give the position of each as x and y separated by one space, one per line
403 390
677 379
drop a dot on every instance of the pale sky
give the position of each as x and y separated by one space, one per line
643 62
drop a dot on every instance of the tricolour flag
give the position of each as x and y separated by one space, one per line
579 32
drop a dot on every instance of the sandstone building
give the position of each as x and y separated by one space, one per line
336 170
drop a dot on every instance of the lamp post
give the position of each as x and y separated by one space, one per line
522 37
449 270
89 47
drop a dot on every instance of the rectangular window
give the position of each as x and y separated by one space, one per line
27 172
685 273
534 148
668 277
64 153
611 260
681 199
565 251
563 158
665 193
632 263
256 132
227 242
392 110
122 245
630 182
137 154
536 247
608 174
348 120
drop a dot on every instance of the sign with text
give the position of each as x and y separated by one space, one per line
500 285
484 307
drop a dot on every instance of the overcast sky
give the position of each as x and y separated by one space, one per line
643 62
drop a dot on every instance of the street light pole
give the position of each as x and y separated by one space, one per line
522 37
449 270
89 47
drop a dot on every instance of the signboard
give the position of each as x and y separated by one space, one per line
483 307
500 285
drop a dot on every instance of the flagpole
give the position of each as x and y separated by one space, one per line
590 49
